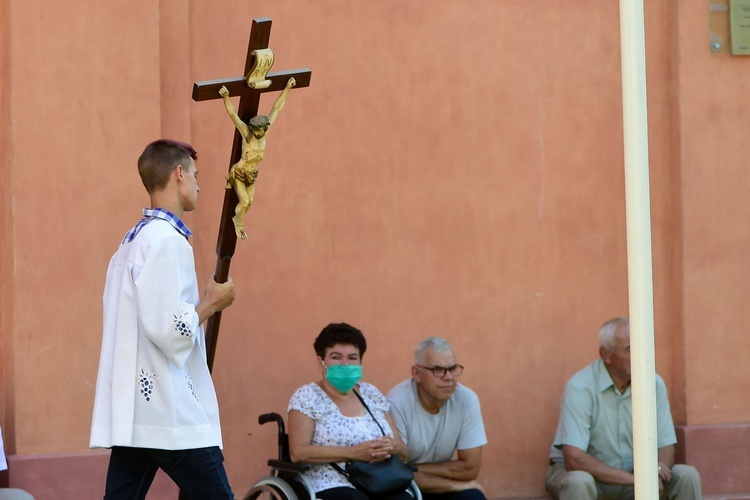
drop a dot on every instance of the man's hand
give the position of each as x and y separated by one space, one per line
220 294
289 84
665 476
223 92
665 473
218 297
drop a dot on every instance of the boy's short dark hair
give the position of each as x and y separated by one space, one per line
159 159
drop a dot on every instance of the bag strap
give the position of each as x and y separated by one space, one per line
368 411
338 468
334 464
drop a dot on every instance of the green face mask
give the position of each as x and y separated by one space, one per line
344 377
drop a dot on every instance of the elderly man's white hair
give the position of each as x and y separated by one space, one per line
608 330
431 343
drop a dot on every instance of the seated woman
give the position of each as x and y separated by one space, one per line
328 423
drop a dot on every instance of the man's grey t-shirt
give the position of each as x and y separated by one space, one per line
434 438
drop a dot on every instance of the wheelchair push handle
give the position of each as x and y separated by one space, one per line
272 417
269 417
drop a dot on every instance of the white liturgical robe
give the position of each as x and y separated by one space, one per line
154 389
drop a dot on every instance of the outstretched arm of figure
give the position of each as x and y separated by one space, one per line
241 126
279 104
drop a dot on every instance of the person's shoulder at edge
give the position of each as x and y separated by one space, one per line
368 386
583 377
305 400
465 393
369 390
402 390
159 229
305 389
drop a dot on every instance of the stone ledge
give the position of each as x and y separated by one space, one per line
719 452
72 475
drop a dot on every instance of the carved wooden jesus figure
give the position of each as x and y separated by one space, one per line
242 175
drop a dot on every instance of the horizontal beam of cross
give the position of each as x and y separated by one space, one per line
237 86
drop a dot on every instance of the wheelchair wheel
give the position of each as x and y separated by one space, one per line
414 490
264 492
271 488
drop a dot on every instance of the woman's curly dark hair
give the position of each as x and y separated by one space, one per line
339 333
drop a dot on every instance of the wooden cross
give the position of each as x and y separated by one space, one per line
248 108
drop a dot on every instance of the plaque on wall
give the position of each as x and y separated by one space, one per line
739 27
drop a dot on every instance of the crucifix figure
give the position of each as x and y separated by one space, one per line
255 81
243 174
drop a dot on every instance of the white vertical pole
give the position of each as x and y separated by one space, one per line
638 213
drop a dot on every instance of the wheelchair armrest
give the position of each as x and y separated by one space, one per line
288 466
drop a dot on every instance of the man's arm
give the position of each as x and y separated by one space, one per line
464 468
399 448
435 484
666 461
577 459
279 104
454 475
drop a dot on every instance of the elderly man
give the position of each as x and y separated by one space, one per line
592 454
441 422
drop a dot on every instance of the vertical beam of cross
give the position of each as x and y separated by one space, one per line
248 108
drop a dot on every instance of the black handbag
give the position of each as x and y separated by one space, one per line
377 478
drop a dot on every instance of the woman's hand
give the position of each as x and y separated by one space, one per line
376 450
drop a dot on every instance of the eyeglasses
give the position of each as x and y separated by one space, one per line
440 371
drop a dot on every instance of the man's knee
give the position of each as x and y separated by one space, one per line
685 483
578 485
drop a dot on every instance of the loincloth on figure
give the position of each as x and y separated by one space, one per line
240 174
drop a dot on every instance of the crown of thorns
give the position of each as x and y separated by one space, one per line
259 121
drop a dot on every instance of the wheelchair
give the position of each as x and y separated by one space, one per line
285 480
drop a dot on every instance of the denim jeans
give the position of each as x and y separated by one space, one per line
199 472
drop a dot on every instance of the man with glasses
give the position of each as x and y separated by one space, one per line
441 422
592 455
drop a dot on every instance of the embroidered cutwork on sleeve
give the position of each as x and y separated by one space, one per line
181 322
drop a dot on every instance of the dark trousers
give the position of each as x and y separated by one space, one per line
199 472
473 494
345 493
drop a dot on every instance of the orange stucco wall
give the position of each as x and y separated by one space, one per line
454 169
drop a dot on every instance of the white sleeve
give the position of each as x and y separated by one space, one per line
398 401
472 429
162 286
3 463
